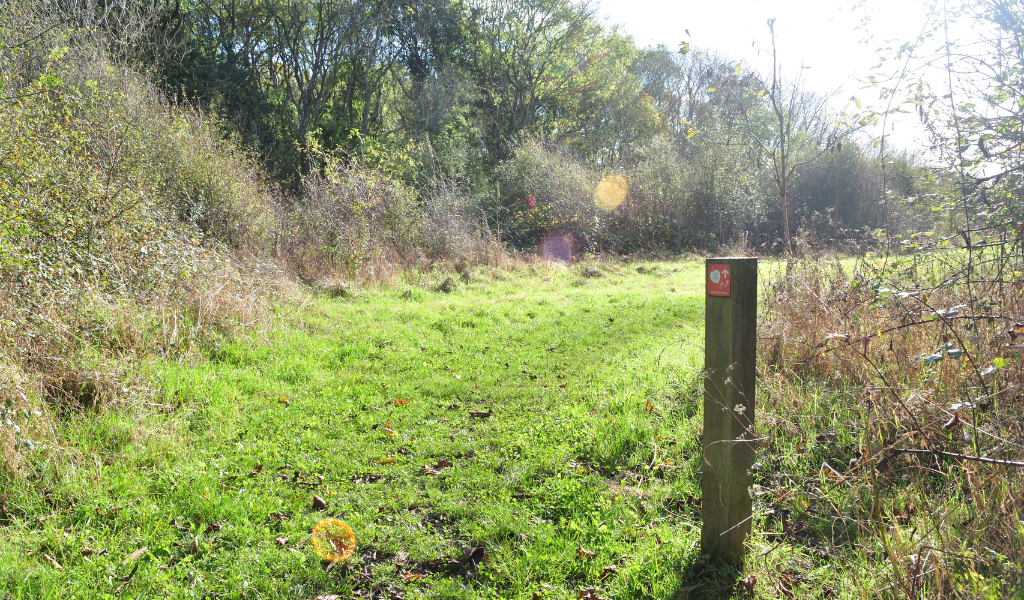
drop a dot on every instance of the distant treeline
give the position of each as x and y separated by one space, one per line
490 101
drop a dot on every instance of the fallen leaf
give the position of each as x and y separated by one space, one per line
784 588
329 597
319 503
195 545
388 461
129 575
609 570
212 527
281 540
280 516
436 469
479 414
748 583
584 552
474 554
125 579
952 422
53 562
136 555
589 594
256 471
413 577
399 402
283 400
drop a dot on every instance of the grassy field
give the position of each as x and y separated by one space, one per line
532 434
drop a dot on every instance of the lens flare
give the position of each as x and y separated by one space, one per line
611 192
333 540
558 247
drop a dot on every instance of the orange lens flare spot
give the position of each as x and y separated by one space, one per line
611 192
333 540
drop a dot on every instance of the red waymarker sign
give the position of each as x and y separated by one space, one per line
719 280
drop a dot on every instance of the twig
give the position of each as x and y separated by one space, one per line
991 461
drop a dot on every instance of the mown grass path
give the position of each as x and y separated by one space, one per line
526 436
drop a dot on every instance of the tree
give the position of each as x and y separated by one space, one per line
310 41
525 62
799 131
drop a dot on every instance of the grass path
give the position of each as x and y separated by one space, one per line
527 436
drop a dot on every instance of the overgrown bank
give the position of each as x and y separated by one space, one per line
129 227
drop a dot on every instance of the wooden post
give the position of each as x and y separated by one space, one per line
730 352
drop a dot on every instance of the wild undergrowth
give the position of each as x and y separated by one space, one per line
101 263
892 408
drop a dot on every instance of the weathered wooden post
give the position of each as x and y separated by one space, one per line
730 351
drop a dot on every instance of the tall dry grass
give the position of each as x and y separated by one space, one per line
893 383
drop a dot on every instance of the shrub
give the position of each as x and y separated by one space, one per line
562 186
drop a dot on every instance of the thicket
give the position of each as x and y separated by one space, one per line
906 454
495 103
501 100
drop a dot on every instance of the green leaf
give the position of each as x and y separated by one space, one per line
1000 363
711 89
739 69
857 101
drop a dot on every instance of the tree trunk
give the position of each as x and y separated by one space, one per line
785 222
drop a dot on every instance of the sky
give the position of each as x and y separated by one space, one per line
837 41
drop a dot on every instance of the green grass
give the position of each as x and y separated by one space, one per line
584 474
